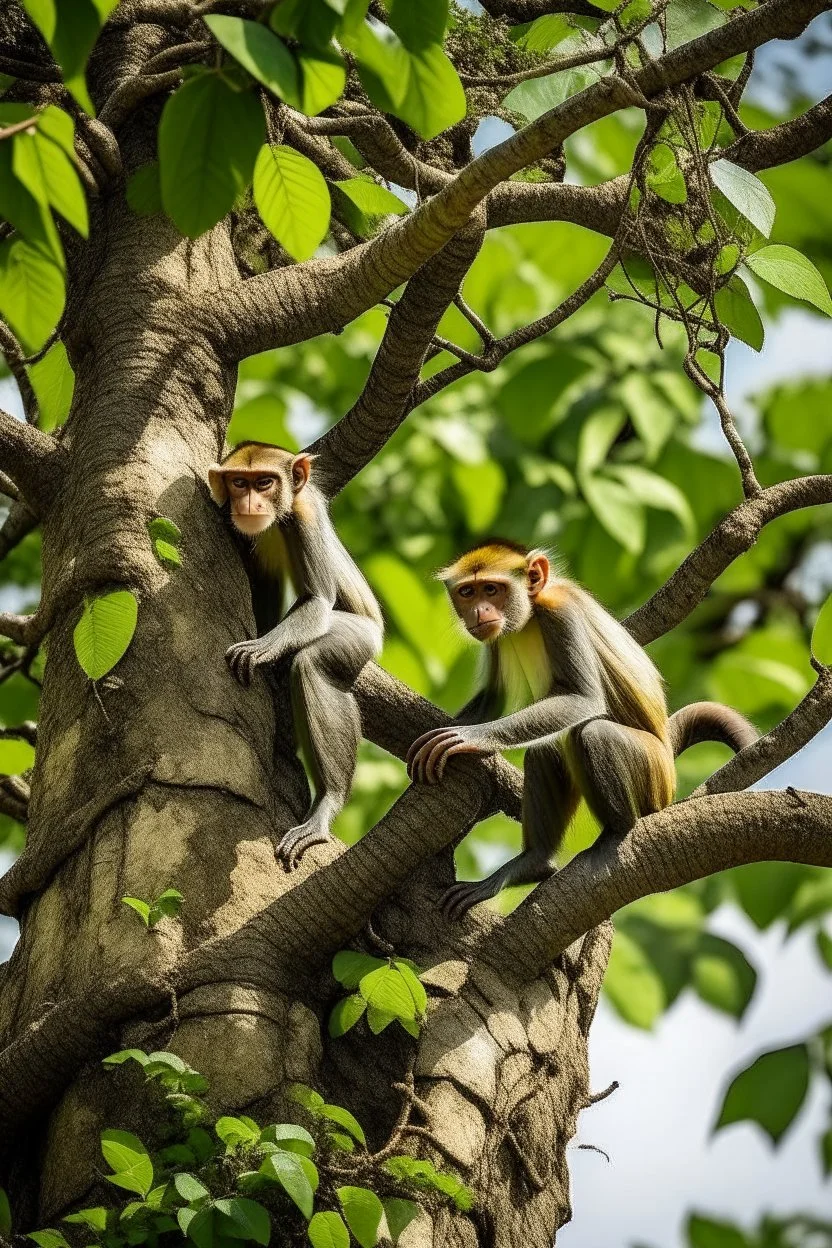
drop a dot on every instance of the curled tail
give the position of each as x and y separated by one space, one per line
710 721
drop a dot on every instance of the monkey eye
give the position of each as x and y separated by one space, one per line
466 591
239 483
264 483
491 590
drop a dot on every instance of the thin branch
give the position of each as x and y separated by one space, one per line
11 801
18 127
680 844
376 140
589 56
297 302
751 487
732 537
134 92
19 523
499 348
31 458
385 400
13 355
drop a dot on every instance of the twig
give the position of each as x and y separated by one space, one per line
750 485
18 127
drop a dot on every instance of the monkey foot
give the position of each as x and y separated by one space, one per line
291 848
459 898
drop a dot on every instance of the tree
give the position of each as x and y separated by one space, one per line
169 174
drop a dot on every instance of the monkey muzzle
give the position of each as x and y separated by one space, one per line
252 514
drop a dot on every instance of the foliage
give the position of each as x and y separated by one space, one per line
226 1180
389 991
167 905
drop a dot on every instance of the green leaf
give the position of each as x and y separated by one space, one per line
144 190
167 553
209 137
292 198
618 511
142 908
736 311
345 1014
822 634
249 1219
399 1213
598 433
48 1238
824 945
379 1020
664 177
414 984
688 19
424 1174
15 757
362 203
104 631
657 492
169 903
383 64
722 975
297 1176
632 984
323 77
343 1117
706 1233
350 967
53 382
289 1136
327 1230
125 1055
70 28
792 272
32 291
43 166
769 1092
338 1139
5 1215
746 192
189 1187
363 1212
236 1131
261 52
546 32
129 1159
812 899
480 488
539 95
385 990
419 26
435 98
306 1096
826 1152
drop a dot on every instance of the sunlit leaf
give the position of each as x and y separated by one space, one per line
792 272
746 192
15 757
53 382
129 1160
327 1230
363 1212
736 311
292 198
770 1092
104 631
632 985
323 76
261 52
345 1014
723 976
32 291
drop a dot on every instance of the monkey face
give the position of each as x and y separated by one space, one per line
482 607
255 499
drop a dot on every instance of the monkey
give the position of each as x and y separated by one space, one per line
333 629
579 692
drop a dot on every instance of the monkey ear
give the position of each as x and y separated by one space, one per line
216 484
301 468
537 572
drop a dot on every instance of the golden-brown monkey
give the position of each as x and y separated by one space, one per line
573 686
332 630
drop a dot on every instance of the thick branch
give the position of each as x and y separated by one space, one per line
763 149
732 537
19 523
680 844
298 302
30 458
384 402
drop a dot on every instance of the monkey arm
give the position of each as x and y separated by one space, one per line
308 620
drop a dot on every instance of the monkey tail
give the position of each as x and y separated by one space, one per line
710 721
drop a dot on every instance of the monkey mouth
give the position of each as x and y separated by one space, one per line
488 628
252 524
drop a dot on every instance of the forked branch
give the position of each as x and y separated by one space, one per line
31 458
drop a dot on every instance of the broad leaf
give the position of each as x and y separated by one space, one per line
434 99
327 1230
41 162
419 26
363 1212
822 634
249 1220
414 984
144 190
53 382
5 1215
48 1238
386 990
345 1014
236 1131
290 1136
297 1176
70 28
343 1117
770 1092
722 975
142 908
125 1055
32 291
746 192
15 757
189 1187
323 77
349 967
261 52
292 198
792 272
128 1158
104 631
209 137
736 311
620 513
632 984
399 1213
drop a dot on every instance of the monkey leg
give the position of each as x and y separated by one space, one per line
328 723
623 773
550 798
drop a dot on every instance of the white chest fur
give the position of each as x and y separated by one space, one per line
525 668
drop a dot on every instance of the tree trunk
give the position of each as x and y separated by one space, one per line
167 773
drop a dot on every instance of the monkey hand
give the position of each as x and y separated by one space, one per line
428 755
